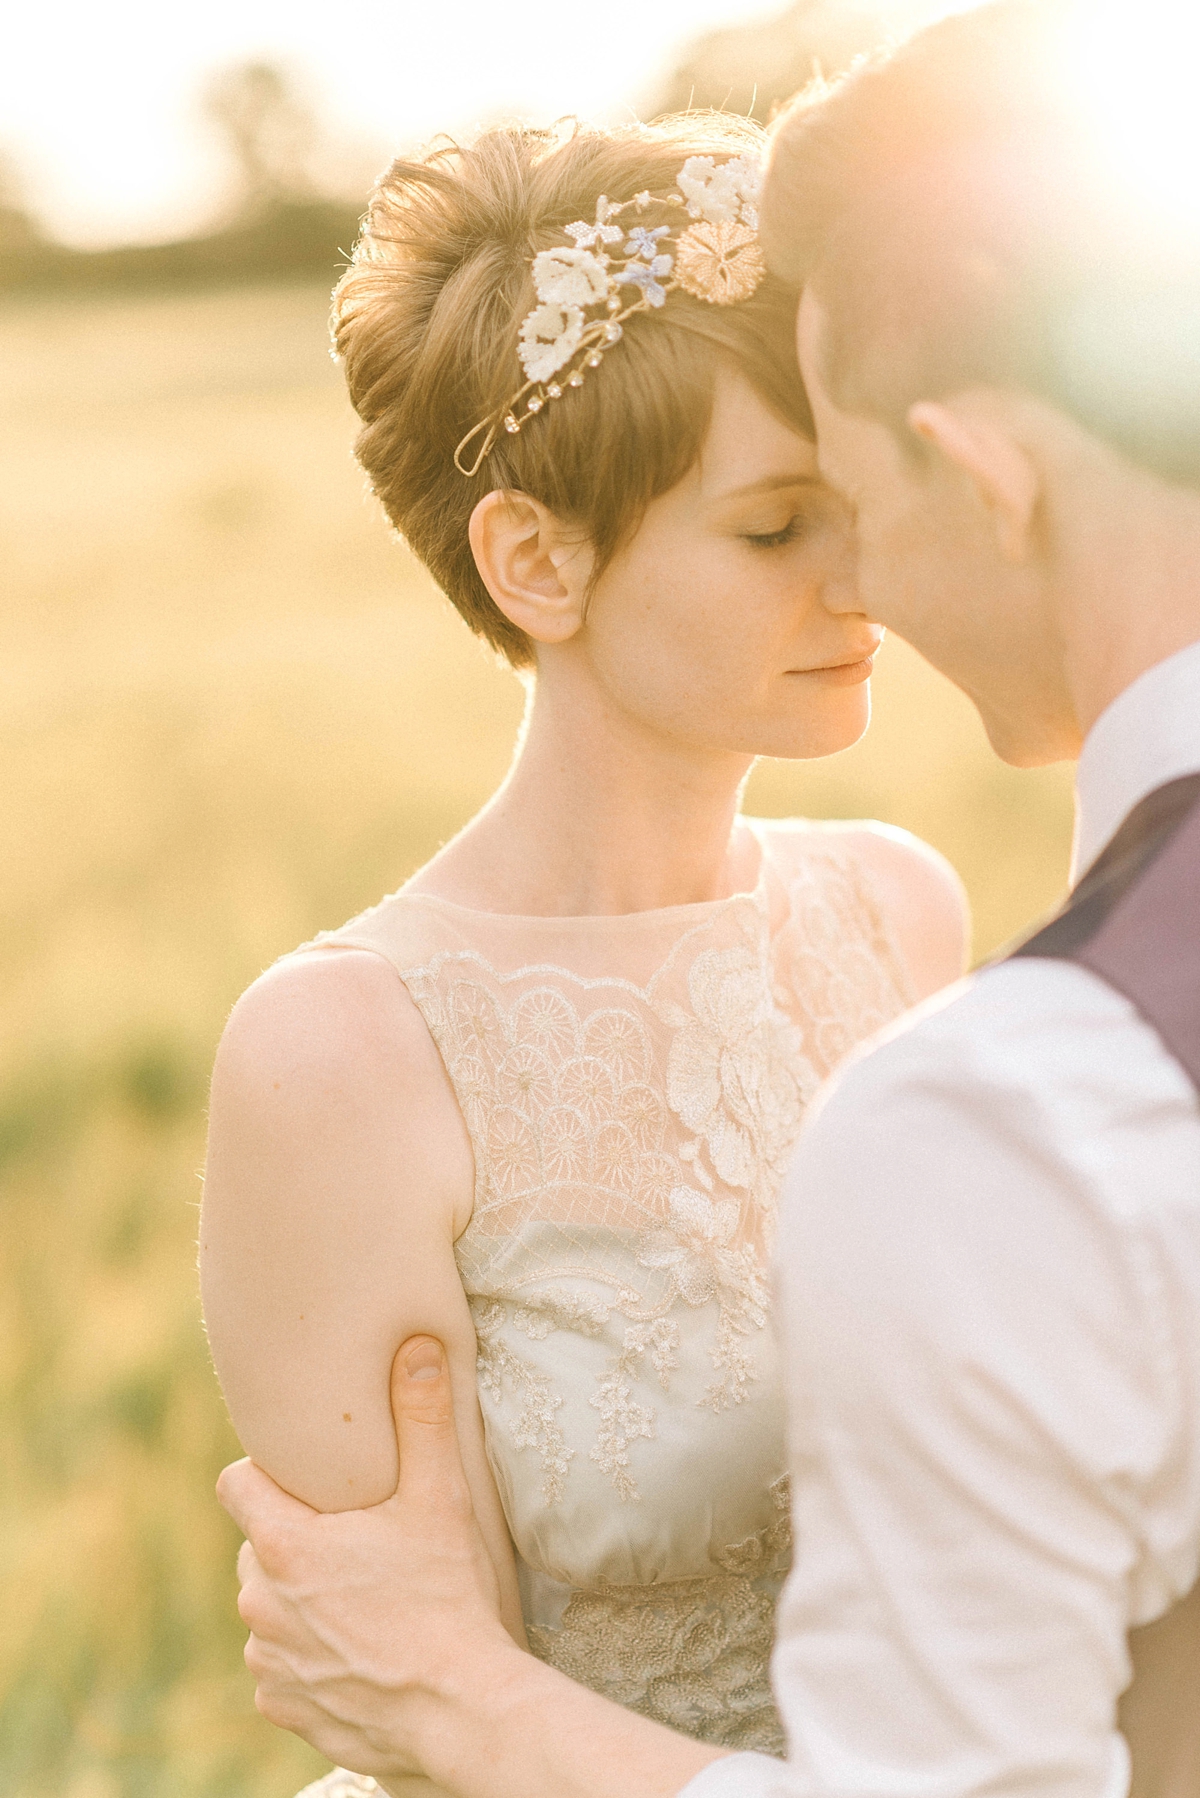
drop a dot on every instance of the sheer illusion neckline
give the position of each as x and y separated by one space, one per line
698 908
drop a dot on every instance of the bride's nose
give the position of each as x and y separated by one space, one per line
839 590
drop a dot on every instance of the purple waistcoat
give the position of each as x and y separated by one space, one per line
1134 919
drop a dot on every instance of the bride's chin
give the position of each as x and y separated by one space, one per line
821 723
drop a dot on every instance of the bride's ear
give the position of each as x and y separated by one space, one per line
535 569
1000 469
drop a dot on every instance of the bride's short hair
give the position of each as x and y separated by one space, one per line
426 321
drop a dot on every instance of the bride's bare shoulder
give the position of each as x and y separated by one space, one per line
326 1008
328 1046
919 892
924 901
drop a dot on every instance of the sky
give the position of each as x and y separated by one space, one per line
100 105
102 117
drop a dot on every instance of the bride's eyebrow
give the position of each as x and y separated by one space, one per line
771 483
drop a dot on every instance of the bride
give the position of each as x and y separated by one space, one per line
537 1103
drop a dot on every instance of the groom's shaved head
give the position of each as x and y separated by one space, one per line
951 210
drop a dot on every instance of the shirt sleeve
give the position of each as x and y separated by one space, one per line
737 1776
985 1398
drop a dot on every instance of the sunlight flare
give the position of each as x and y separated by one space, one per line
1134 68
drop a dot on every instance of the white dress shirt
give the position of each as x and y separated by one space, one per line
989 1275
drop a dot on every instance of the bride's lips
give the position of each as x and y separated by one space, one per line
841 674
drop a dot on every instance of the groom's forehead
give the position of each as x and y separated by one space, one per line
811 336
859 454
812 342
843 447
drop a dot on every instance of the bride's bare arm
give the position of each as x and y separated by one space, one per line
339 1175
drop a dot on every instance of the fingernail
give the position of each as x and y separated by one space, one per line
425 1361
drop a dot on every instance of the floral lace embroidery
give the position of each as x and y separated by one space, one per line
560 1102
693 1654
536 1426
578 1311
668 1112
696 1247
629 1138
737 1073
621 1417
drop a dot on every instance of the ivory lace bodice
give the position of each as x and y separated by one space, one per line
632 1087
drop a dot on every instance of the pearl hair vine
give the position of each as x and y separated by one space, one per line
716 258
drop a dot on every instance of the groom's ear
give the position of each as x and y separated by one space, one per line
1000 469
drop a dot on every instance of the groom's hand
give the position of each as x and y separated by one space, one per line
363 1623
376 1635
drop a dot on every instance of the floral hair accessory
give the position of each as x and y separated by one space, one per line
716 258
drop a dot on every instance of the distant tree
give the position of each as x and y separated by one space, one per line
271 131
750 69
296 207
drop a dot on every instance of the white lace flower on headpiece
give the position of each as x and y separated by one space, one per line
596 236
716 258
570 277
721 196
549 338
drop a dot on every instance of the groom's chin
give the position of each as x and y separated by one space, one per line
1030 743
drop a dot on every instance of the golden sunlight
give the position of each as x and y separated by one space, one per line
1133 65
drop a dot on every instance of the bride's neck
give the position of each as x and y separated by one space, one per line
599 815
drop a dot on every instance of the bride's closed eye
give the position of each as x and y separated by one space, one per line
776 539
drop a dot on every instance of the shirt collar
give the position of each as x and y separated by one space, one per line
1150 734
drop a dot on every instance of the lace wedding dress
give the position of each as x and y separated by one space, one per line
633 1086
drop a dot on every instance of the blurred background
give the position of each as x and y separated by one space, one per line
233 711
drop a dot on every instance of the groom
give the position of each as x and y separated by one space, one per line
989 1267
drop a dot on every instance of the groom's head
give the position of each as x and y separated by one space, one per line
1001 340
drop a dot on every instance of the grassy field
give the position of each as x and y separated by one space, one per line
231 712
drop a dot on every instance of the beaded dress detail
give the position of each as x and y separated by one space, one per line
633 1086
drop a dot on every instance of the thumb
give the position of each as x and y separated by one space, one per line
423 1412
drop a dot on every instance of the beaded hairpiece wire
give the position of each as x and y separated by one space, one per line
717 258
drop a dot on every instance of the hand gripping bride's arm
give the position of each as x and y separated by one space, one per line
375 1636
339 1176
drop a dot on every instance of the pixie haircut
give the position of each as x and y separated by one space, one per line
950 206
426 321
